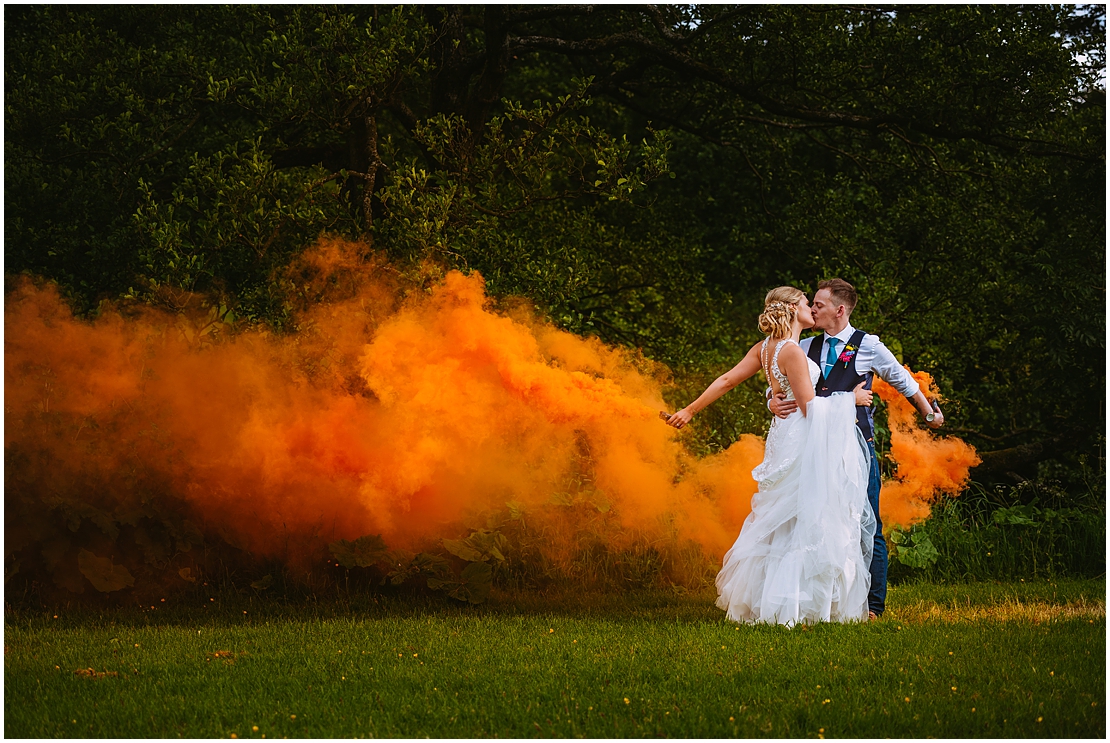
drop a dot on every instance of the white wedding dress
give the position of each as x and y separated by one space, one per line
804 552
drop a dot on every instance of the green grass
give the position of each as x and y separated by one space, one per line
1028 658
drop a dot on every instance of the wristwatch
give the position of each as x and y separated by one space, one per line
929 418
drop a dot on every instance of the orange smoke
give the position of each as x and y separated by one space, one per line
927 466
409 408
414 413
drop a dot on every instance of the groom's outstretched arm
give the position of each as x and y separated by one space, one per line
886 366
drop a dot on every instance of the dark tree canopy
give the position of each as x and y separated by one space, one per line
644 173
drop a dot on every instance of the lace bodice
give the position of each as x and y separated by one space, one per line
780 376
783 435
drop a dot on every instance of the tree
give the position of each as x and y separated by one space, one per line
948 160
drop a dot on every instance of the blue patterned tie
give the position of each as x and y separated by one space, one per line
830 360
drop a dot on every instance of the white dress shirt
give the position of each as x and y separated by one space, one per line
871 356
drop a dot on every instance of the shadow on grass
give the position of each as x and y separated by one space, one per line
909 602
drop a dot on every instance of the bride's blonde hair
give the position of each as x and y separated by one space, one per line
779 309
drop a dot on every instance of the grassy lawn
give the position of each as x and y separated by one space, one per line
983 659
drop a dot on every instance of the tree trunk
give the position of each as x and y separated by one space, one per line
373 164
1015 462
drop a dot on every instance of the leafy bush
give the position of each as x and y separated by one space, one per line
1001 534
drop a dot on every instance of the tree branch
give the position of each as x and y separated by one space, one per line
682 63
172 142
996 439
545 12
1004 461
373 163
330 156
656 17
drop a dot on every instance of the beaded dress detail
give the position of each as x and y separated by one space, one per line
781 378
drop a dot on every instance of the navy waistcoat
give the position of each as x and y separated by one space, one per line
843 378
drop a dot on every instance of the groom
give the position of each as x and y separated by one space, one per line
847 357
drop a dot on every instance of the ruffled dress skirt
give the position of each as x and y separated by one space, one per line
804 552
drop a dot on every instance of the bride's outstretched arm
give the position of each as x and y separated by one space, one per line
746 369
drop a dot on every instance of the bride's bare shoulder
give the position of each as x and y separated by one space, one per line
756 349
791 352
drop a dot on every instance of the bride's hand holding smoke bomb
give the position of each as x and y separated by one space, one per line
677 420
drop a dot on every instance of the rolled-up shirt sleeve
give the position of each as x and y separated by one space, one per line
890 371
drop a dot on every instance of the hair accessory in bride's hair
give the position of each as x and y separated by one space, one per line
780 309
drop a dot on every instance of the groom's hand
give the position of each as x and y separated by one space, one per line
782 407
864 396
926 407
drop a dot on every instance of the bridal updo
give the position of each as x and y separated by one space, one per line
779 309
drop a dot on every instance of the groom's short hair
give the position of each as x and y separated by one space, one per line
842 292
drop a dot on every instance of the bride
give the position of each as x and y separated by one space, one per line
804 552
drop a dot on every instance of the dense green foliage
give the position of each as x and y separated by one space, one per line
1036 530
973 660
948 160
640 173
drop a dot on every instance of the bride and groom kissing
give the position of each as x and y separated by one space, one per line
812 548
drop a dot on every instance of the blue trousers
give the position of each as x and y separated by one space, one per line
876 599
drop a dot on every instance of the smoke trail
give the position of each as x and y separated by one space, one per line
927 466
412 411
415 417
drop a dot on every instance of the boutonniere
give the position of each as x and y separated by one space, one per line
847 354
